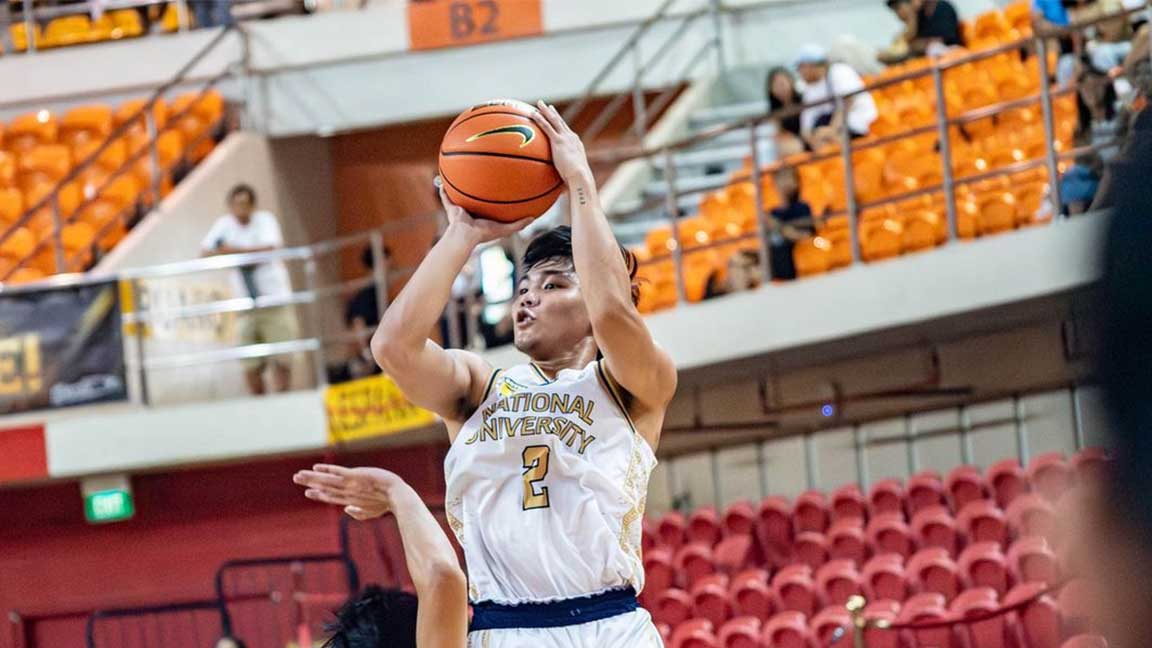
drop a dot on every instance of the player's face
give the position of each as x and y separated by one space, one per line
549 316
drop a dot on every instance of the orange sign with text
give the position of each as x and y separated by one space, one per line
434 24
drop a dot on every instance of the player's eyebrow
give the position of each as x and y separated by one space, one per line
546 273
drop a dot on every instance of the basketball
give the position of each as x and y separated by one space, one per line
497 164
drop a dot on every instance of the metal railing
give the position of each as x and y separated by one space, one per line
159 170
642 66
1037 44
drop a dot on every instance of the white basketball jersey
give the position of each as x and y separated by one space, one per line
546 488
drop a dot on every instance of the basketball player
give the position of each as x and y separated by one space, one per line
549 460
380 617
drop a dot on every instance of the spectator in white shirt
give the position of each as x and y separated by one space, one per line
821 125
244 230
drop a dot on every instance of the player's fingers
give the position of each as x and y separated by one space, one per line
319 478
326 497
558 119
543 120
332 469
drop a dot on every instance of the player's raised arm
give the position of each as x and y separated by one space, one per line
632 356
445 382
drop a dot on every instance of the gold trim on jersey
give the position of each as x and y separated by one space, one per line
490 385
541 374
610 386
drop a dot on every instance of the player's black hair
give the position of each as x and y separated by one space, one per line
556 243
377 618
242 188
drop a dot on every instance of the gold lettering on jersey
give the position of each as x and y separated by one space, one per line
537 413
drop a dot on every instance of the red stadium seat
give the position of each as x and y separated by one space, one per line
703 526
694 562
989 633
1074 605
1050 475
1006 480
659 573
932 570
886 496
733 554
787 630
750 594
884 578
924 490
793 590
697 633
774 530
984 565
926 608
741 632
739 519
848 502
881 610
1089 463
933 526
837 581
983 521
811 512
670 530
672 607
710 599
810 549
1030 515
887 533
1031 560
846 541
1085 641
1038 624
832 624
965 484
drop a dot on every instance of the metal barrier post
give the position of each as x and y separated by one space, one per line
849 181
715 10
965 435
1049 126
810 460
312 284
673 207
640 110
945 138
182 21
140 307
29 27
1077 415
379 272
57 243
762 232
153 154
910 435
860 442
1021 433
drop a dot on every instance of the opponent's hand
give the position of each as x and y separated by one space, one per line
364 493
568 153
480 230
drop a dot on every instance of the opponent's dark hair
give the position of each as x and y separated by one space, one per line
377 618
556 243
242 188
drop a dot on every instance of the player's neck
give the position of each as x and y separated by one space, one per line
576 357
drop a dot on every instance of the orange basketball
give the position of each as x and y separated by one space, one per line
497 164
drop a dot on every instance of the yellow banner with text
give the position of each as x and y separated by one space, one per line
370 407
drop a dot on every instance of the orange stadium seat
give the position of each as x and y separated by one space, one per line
126 23
68 30
84 124
30 130
131 111
47 163
7 169
11 205
20 36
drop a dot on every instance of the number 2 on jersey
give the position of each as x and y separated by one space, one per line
535 469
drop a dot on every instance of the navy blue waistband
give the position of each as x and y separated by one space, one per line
493 616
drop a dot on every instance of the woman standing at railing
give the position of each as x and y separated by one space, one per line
783 95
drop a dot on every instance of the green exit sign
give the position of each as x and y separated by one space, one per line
108 506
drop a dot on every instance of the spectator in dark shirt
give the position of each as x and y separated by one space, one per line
783 95
791 221
361 317
927 23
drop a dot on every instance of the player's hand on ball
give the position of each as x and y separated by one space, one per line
482 229
364 493
568 155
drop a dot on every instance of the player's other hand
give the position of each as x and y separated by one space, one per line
363 493
480 230
568 153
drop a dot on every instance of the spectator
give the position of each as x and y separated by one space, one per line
791 221
929 25
361 317
245 230
821 124
783 95
212 13
1079 183
743 273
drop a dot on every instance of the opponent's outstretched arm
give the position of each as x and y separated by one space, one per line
366 493
632 356
444 382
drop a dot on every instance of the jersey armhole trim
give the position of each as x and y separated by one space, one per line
491 383
613 391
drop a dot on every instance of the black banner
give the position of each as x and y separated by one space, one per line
61 347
